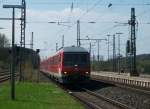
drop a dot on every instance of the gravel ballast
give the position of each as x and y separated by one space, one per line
130 98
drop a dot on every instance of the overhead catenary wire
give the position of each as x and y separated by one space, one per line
116 4
71 10
88 10
57 2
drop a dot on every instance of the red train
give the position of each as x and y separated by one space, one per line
68 65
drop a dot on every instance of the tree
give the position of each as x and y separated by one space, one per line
4 42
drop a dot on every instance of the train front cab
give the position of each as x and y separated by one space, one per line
75 68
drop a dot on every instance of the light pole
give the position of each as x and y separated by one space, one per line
78 28
31 45
63 38
114 53
63 41
90 45
98 46
56 47
119 51
22 38
13 48
108 45
78 33
98 40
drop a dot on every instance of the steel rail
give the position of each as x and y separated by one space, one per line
85 102
4 73
88 104
133 89
6 77
114 102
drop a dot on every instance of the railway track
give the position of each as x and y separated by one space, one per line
97 101
91 99
133 89
5 75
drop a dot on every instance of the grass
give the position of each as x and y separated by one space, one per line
36 96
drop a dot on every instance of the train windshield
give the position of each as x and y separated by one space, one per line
71 59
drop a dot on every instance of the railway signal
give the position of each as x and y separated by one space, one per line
128 47
37 51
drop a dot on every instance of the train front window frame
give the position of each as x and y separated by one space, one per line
74 58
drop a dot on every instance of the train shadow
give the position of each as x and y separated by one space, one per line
92 85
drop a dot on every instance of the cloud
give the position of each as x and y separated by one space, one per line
44 15
48 32
63 15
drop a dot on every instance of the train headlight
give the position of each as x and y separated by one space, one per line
87 72
65 72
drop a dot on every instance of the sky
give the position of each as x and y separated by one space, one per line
46 35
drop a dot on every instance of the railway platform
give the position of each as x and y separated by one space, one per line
122 78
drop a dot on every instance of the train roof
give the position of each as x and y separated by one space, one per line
74 49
